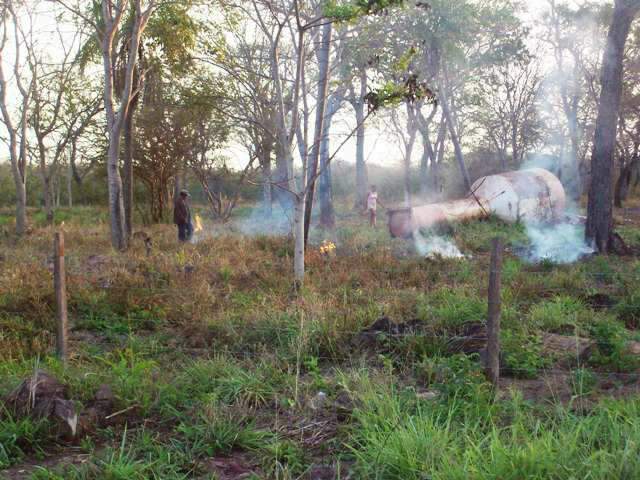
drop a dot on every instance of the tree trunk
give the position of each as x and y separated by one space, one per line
116 200
284 180
267 197
21 205
428 153
622 186
321 108
362 178
444 103
58 190
599 228
127 169
298 235
325 188
408 152
573 181
440 146
47 193
70 186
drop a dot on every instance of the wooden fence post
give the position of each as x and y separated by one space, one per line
493 322
60 284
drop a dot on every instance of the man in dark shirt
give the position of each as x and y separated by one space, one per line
182 217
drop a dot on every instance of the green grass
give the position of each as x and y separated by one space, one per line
21 437
225 361
400 438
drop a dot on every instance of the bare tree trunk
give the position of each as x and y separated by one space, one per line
428 154
112 15
439 158
283 178
58 190
69 185
21 204
127 169
16 132
599 228
298 234
325 188
321 108
45 176
267 193
362 178
428 158
412 129
116 198
444 103
573 181
622 186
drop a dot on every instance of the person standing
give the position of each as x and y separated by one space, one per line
372 205
182 217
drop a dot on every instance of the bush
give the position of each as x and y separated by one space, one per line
611 346
522 354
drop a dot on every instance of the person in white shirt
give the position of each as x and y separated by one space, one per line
372 205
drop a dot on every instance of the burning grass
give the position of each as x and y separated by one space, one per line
216 365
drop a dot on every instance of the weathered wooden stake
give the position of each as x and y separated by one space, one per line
493 322
60 284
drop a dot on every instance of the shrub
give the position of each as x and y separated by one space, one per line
522 354
611 346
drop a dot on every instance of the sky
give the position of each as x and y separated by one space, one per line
380 148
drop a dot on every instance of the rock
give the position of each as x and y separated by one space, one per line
43 396
568 346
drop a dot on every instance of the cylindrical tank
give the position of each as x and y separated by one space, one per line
534 194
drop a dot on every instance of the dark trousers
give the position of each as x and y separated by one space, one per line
185 231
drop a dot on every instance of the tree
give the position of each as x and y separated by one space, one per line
61 108
406 131
16 129
247 100
323 87
573 35
107 18
111 25
599 229
628 142
507 109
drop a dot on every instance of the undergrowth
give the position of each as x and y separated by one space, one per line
210 355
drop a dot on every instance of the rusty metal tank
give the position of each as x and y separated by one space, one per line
533 194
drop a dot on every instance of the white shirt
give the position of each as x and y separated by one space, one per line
372 200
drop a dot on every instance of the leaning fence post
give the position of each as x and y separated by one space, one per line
60 284
493 322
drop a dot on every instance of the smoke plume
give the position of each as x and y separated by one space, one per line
434 246
559 243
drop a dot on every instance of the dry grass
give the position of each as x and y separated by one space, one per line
215 326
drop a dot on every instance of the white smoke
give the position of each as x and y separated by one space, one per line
434 246
260 222
559 243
